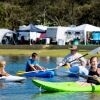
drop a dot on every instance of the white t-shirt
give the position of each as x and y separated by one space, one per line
71 57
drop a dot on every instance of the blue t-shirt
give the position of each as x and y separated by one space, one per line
32 62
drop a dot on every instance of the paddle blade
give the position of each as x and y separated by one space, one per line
97 50
66 66
20 73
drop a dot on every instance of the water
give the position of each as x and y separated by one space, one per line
28 91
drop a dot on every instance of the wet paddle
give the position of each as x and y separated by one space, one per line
24 72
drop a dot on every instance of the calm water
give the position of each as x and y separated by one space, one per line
28 91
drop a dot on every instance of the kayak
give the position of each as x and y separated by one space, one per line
77 69
12 78
65 86
45 74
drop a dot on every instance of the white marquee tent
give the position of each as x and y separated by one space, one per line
31 28
84 29
42 27
5 32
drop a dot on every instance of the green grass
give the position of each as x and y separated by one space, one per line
43 52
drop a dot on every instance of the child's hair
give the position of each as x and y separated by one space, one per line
93 58
2 63
34 54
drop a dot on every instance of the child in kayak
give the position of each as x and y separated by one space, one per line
94 71
32 64
2 69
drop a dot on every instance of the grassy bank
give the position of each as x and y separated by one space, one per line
52 53
43 50
48 47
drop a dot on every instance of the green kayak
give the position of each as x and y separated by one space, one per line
66 86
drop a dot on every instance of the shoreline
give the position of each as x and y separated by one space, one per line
42 52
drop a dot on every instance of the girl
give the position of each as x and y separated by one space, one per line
2 69
94 71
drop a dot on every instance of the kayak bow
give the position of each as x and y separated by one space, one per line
66 86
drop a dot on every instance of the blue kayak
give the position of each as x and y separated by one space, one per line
77 69
45 74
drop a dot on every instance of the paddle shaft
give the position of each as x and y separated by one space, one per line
78 58
23 72
75 59
89 76
94 51
86 76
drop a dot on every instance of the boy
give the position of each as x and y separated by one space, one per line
32 64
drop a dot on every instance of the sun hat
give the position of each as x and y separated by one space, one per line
73 47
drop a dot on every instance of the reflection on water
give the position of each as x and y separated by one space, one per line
2 85
66 96
28 91
50 96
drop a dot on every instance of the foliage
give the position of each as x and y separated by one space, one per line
49 12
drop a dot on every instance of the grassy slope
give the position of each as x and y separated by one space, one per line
53 53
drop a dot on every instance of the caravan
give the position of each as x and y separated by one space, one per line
57 34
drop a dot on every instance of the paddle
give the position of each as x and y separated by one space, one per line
24 72
94 51
85 76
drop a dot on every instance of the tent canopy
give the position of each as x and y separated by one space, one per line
42 27
84 28
30 28
5 32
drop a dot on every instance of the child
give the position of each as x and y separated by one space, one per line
2 69
94 70
94 73
32 64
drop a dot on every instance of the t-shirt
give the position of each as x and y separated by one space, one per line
32 62
71 57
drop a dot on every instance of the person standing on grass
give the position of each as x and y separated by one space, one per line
33 64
